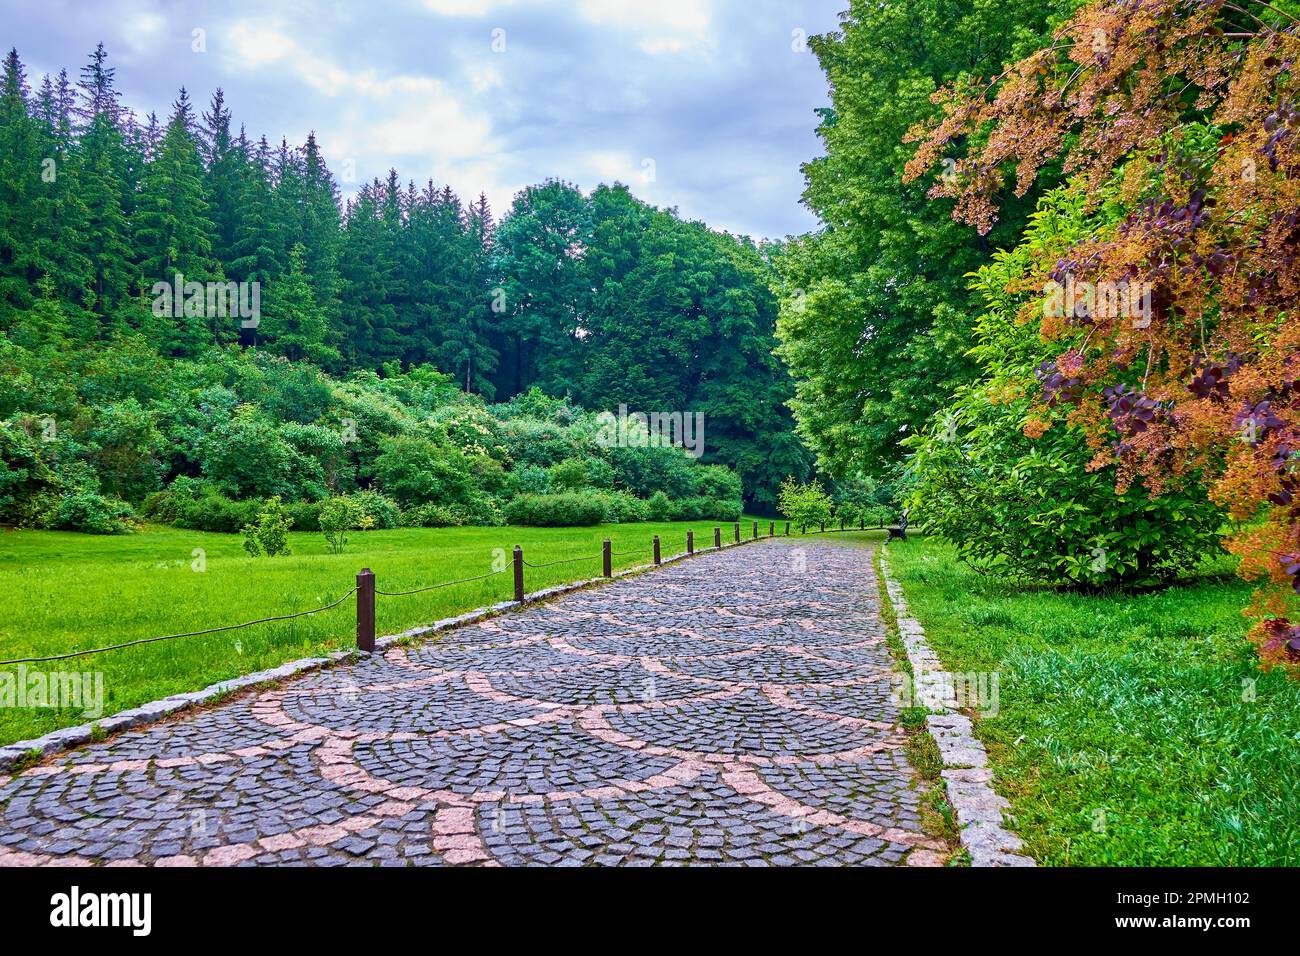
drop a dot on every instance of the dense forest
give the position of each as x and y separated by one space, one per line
597 299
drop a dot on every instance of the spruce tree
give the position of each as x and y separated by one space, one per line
173 236
106 194
293 324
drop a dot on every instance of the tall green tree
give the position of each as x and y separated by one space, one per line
174 236
369 319
539 248
293 324
106 191
876 313
466 349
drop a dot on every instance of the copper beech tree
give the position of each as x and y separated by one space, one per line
1205 384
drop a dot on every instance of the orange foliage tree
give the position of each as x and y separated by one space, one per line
1205 380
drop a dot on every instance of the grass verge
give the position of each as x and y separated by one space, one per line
1132 729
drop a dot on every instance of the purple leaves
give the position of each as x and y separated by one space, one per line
1057 387
1130 410
1282 636
1254 423
1211 379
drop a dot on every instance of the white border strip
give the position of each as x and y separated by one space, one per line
966 772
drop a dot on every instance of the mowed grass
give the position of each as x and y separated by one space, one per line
61 592
1133 729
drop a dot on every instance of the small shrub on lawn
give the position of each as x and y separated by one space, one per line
270 536
807 505
337 516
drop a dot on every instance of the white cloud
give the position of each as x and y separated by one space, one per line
376 120
142 32
659 45
673 17
465 8
249 45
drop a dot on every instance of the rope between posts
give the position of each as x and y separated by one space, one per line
549 564
172 637
444 584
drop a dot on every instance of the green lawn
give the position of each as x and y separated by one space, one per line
1126 732
64 591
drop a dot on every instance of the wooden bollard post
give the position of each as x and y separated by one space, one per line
823 527
771 529
754 534
656 549
717 537
519 574
737 530
365 610
841 524
690 542
862 524
787 529
607 558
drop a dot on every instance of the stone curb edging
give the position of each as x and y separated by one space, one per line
966 774
67 738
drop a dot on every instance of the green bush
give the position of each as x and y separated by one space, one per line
645 470
1037 507
600 473
1031 508
209 510
93 513
30 486
701 508
376 511
552 511
717 481
417 471
246 457
569 475
539 443
305 515
432 516
530 480
660 507
621 507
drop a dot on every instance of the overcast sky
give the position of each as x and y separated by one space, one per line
706 105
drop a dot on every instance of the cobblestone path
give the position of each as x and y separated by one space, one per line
729 709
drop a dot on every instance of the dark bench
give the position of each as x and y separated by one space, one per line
898 531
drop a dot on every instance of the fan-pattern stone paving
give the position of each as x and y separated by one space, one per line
730 709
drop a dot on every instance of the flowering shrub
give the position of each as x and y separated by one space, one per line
1189 109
